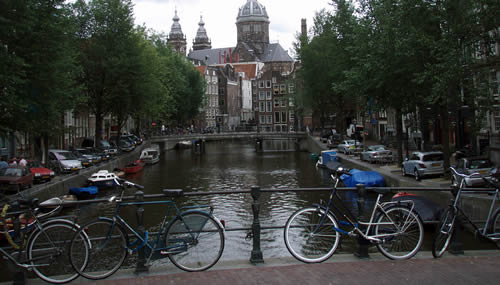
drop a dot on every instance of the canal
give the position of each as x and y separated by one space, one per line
235 165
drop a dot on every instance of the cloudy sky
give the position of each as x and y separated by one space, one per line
220 18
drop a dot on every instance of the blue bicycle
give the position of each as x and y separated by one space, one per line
193 239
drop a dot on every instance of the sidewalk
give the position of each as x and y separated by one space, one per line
472 268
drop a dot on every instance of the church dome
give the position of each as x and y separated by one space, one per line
201 34
252 11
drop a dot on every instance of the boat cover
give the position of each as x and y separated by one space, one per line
91 190
369 178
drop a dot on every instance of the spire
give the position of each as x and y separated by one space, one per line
201 41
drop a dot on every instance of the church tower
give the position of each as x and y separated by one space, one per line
176 39
201 41
252 26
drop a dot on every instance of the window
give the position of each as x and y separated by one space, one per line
268 95
274 79
268 83
283 102
246 28
261 83
276 88
276 102
262 119
262 95
283 117
254 83
282 89
276 117
269 119
268 106
291 88
262 106
257 28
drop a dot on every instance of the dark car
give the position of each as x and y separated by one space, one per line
40 172
83 158
15 178
469 165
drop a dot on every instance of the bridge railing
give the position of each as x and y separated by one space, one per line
255 228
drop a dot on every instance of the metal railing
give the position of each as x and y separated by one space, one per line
256 228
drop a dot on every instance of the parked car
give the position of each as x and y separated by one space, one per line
64 161
421 164
15 179
376 153
84 159
325 134
40 172
125 145
348 146
108 148
469 165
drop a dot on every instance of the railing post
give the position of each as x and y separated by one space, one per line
141 258
363 244
256 256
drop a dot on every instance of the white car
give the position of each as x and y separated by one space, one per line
421 164
348 146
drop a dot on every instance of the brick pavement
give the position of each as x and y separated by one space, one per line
448 270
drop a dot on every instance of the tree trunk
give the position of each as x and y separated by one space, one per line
98 126
445 135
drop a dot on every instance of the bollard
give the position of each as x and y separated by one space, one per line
363 244
141 258
256 256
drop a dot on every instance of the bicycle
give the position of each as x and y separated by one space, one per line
446 226
43 243
312 234
193 239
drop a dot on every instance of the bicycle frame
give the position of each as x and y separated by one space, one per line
457 209
144 241
354 222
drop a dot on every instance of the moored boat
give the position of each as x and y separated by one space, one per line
134 167
325 157
150 155
103 179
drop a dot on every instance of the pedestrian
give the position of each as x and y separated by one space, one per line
13 162
3 162
22 162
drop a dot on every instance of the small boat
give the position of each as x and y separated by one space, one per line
368 178
325 157
103 179
134 167
150 155
84 193
184 144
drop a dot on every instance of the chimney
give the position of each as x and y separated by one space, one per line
303 27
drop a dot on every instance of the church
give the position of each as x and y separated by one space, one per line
249 84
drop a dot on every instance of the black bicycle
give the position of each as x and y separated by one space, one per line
445 229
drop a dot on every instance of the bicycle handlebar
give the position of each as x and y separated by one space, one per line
122 183
455 172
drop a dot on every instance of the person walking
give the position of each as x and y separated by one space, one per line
3 162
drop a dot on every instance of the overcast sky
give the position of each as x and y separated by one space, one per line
220 18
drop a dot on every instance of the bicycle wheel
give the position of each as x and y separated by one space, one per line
495 226
401 232
194 241
309 240
48 252
443 233
107 244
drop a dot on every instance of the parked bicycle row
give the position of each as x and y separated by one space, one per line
59 250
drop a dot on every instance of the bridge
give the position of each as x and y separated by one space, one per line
168 142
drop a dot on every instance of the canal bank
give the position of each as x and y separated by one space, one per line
60 185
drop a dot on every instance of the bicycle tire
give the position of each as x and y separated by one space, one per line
195 241
305 245
107 249
408 231
48 251
443 233
495 226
